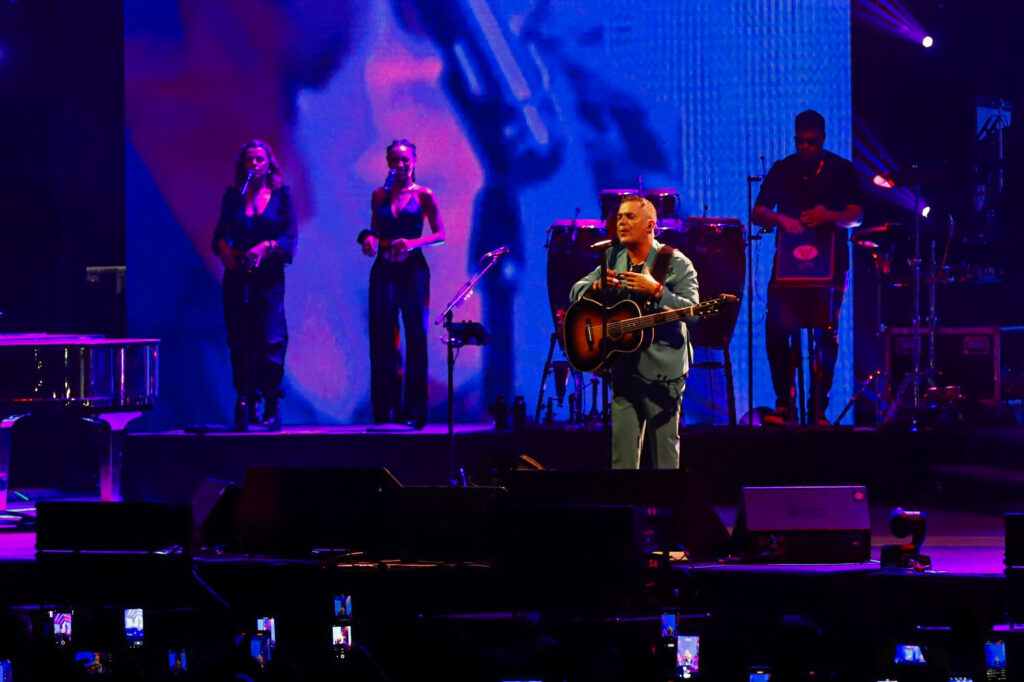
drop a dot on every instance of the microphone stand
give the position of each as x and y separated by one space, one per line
248 404
245 187
606 376
749 243
453 342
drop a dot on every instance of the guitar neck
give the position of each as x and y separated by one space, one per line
654 319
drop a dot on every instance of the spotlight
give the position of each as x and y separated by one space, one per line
883 181
906 557
926 211
927 41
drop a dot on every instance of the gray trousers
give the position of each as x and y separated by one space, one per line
640 406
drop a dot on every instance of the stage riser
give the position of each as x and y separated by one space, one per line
896 466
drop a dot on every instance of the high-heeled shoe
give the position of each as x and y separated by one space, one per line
416 424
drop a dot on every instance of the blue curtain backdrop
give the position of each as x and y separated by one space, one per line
522 110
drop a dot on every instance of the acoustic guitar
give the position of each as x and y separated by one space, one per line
589 343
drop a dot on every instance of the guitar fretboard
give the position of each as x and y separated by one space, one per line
652 320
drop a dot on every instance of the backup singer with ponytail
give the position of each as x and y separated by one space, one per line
255 238
400 286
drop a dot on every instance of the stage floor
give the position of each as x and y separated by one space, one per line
959 543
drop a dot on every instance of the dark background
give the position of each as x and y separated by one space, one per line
920 104
62 180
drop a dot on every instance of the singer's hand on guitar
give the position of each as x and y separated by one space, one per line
791 225
640 281
370 246
611 279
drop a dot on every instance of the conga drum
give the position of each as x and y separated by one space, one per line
716 247
666 203
610 200
570 258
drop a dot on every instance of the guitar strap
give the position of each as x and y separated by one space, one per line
660 270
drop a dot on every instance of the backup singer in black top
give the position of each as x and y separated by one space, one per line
810 190
255 238
400 285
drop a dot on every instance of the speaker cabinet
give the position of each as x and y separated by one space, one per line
690 520
112 526
967 357
804 524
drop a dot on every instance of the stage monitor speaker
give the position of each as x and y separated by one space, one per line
291 511
967 357
692 523
112 527
804 524
214 506
1014 557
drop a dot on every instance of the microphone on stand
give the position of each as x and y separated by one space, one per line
500 251
604 243
248 179
390 181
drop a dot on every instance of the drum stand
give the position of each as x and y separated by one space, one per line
814 361
917 376
562 371
726 366
873 387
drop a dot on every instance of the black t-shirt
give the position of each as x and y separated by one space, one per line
790 190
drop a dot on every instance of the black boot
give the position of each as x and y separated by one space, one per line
272 414
242 414
254 405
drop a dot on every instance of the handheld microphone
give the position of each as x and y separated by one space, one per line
604 243
248 179
500 251
390 181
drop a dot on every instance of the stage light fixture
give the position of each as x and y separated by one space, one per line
927 41
908 556
883 181
926 211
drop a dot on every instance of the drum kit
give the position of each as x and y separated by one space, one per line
922 275
715 245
